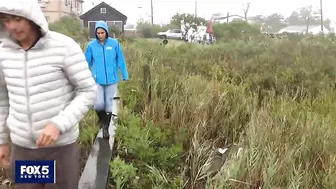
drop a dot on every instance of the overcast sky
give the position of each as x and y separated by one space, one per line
164 9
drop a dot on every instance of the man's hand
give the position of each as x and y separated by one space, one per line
4 156
48 136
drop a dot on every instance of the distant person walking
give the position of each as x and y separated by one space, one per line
105 58
46 88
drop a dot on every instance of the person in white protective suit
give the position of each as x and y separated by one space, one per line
183 29
190 33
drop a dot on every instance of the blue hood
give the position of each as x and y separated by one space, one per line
102 24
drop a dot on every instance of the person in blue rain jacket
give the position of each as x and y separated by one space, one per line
105 58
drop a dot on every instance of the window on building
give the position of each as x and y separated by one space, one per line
103 10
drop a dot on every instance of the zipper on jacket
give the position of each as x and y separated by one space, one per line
105 63
27 95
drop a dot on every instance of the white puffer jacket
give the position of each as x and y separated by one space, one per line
50 83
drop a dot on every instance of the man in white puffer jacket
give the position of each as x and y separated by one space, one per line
46 88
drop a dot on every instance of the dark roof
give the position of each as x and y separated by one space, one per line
102 4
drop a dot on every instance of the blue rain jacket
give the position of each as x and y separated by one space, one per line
106 60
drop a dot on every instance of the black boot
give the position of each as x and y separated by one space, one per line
106 125
101 118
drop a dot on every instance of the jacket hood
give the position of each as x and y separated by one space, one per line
102 24
29 9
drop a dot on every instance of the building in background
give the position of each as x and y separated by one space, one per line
103 11
302 29
55 9
332 27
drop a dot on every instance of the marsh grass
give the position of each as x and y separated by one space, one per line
275 99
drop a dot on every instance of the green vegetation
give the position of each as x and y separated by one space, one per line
274 98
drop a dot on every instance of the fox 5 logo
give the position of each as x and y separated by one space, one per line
34 171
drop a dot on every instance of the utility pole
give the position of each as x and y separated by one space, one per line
321 16
140 15
195 9
227 17
152 16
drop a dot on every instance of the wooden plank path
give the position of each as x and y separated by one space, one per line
96 173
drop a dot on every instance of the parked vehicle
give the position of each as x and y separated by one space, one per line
171 34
